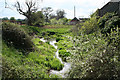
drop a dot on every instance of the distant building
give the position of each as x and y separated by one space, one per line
112 6
74 21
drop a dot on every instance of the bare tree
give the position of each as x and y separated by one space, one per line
31 8
47 11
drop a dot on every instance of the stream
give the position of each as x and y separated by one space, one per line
66 67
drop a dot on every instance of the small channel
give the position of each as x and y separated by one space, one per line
66 67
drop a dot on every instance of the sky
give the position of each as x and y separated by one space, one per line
83 7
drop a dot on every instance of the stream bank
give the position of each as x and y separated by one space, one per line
66 67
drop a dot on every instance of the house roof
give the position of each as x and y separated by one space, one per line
74 19
114 0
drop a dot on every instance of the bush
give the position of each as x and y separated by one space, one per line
16 36
114 38
38 19
95 59
107 22
90 26
95 14
102 20
111 24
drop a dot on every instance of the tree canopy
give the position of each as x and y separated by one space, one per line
60 13
31 7
47 11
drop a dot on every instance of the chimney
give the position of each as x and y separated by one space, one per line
74 11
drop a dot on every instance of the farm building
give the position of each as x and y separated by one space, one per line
74 21
112 6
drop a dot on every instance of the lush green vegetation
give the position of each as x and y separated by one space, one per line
92 47
36 63
96 51
21 39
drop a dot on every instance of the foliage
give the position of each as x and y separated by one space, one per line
17 65
31 30
16 36
95 14
52 16
47 11
64 44
61 21
103 19
5 18
94 55
111 24
48 31
114 38
60 14
53 21
37 19
108 22
49 50
12 19
89 26
52 31
36 64
27 12
93 58
64 54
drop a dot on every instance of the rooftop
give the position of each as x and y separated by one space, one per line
114 0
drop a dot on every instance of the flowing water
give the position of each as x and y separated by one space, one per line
66 67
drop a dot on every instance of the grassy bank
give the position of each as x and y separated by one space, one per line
60 32
35 64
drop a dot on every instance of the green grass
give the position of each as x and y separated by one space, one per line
36 63
59 26
56 28
63 42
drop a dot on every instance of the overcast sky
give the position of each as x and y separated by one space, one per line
83 7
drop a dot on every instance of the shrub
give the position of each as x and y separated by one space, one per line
38 19
107 22
90 26
102 20
95 59
16 36
114 38
111 24
12 19
95 14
